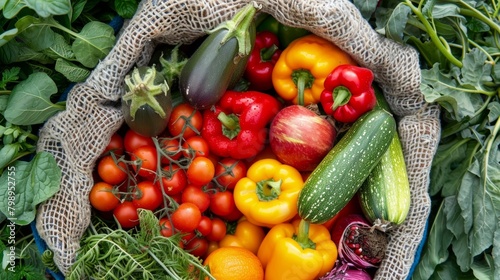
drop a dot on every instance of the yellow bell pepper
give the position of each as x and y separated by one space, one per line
246 235
303 66
298 251
268 195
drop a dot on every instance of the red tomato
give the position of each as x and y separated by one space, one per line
195 146
115 145
166 228
201 171
147 160
205 226
198 246
102 197
196 196
147 196
186 217
218 230
172 148
222 203
229 171
174 180
183 119
234 216
134 140
111 172
126 214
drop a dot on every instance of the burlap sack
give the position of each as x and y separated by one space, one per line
77 136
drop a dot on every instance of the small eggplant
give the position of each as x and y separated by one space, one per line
147 103
219 62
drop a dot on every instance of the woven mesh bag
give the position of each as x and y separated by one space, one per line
77 136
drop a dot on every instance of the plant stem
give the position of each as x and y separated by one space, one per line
433 35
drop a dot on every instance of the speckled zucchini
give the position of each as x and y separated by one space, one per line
344 169
385 195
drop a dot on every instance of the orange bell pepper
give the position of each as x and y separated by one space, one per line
298 250
301 70
245 235
268 195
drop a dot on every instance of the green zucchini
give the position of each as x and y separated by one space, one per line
385 195
343 170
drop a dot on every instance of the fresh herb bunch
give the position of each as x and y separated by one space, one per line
141 253
459 45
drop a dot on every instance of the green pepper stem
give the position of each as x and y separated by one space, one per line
266 54
268 190
303 79
227 121
302 236
341 96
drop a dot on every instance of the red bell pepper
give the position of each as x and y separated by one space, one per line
348 93
237 125
262 59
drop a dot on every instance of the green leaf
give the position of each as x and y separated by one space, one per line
126 8
445 10
436 248
366 7
476 25
35 32
8 35
12 8
93 43
474 71
8 153
46 8
3 103
449 166
483 269
71 71
29 184
479 197
29 103
59 49
397 23
449 270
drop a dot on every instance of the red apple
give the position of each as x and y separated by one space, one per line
301 138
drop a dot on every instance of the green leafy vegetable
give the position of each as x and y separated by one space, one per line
145 254
459 45
27 184
29 103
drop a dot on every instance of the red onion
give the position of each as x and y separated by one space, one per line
359 243
346 272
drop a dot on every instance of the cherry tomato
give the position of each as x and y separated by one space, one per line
174 180
205 226
147 159
195 146
218 230
134 140
201 171
115 145
196 196
102 197
186 217
172 148
126 214
185 117
222 203
198 246
234 216
212 246
229 171
110 171
147 196
166 228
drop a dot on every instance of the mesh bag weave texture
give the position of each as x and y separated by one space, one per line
77 136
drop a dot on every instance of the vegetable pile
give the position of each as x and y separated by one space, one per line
219 161
216 151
